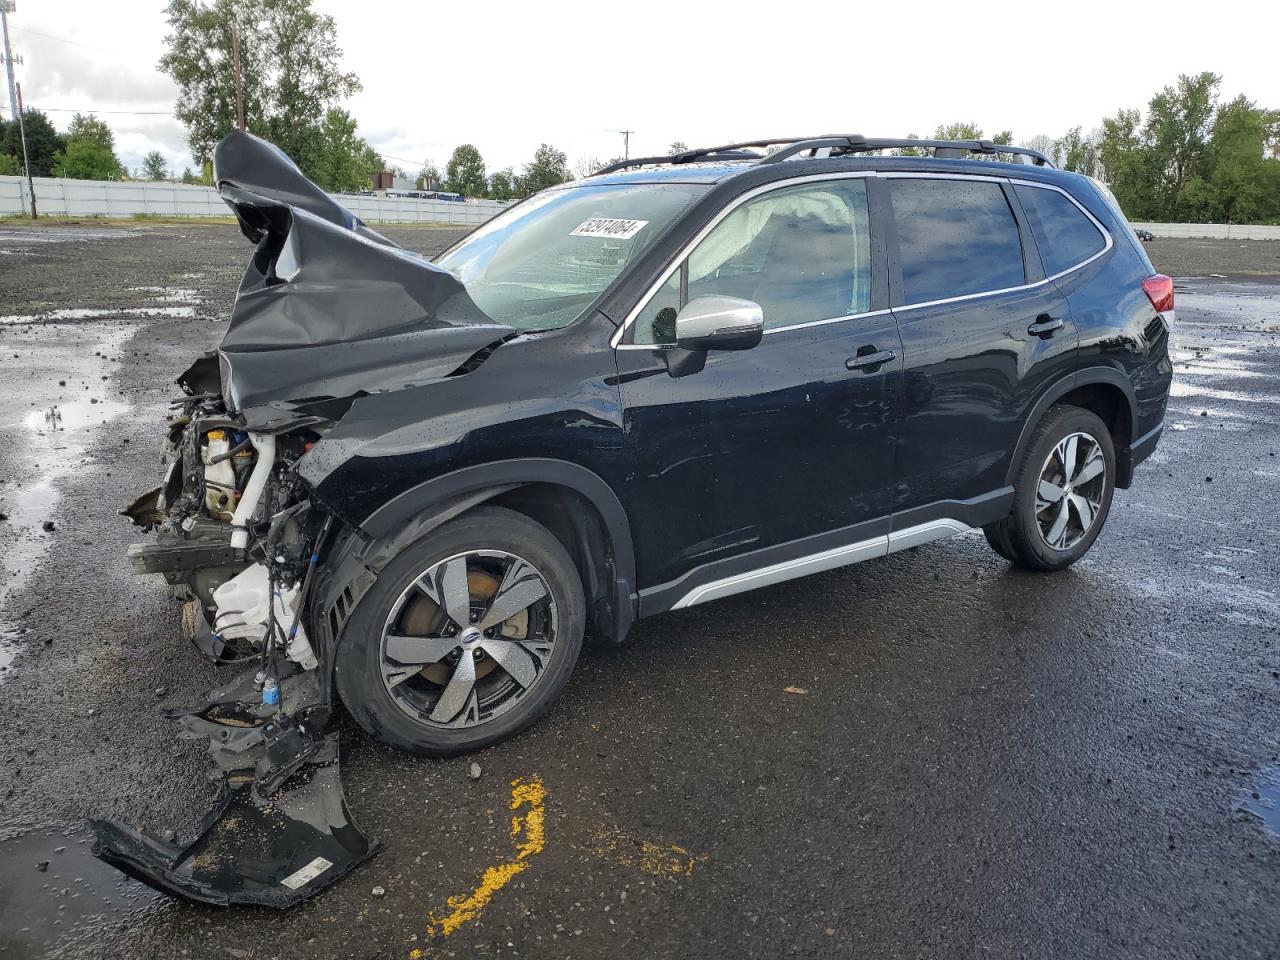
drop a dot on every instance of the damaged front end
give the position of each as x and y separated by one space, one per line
328 312
238 541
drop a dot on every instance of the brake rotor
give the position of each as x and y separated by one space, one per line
422 617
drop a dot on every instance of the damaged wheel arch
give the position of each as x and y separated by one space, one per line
574 503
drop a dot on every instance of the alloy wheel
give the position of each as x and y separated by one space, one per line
1072 486
468 638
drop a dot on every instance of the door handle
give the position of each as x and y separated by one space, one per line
1045 326
869 362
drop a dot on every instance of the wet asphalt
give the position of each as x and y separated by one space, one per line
929 755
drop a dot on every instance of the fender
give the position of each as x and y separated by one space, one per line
1059 389
356 558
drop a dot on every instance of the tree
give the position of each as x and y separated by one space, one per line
87 159
548 168
335 157
1179 119
1126 165
586 166
1241 184
677 146
464 173
429 178
154 166
43 142
289 61
10 166
189 177
1078 153
90 151
502 185
958 131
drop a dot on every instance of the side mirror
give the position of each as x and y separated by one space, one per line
719 323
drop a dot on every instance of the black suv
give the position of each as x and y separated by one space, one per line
678 379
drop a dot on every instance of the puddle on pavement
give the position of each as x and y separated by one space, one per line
74 895
1263 799
1180 388
186 295
1252 305
95 313
56 440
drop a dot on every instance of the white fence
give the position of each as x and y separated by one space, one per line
102 198
1211 231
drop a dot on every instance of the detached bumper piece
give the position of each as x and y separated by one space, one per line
279 831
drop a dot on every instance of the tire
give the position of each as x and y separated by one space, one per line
1031 538
404 619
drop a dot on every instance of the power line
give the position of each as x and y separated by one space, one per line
74 43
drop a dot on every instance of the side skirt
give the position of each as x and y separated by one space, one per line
877 538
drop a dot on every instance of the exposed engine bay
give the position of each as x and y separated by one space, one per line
328 313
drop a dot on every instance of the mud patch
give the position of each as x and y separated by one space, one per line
54 893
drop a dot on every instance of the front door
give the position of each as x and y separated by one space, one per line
777 451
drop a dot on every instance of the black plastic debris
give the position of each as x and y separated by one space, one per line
279 830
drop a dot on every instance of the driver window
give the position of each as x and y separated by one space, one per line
803 253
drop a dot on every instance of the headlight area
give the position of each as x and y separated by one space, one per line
238 540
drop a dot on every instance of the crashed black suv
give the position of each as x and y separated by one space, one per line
678 379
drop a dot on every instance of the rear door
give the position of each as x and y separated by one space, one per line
982 332
789 440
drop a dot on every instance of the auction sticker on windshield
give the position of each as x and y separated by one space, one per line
611 227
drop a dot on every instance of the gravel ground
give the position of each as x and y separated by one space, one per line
981 762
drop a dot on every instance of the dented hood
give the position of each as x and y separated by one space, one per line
328 308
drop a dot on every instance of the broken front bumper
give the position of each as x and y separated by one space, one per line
279 830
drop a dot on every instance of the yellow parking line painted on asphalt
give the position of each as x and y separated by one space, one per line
528 833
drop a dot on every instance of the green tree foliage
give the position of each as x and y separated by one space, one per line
548 168
464 173
958 131
1078 153
677 146
1193 160
502 185
188 177
90 151
10 166
289 61
43 141
154 166
334 156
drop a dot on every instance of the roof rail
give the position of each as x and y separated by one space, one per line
830 145
837 146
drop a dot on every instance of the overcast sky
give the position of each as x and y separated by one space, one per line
508 76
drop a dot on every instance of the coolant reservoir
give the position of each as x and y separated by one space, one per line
220 477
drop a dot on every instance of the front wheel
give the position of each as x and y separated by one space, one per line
466 637
1063 492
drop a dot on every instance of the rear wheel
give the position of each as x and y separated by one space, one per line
466 637
1062 495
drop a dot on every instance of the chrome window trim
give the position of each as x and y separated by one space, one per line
615 340
825 560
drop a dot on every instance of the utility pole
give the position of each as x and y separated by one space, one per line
235 56
6 8
626 143
26 161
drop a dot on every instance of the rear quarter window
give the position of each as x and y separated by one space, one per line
955 237
1065 236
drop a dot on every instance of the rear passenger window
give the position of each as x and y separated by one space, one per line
1065 236
955 237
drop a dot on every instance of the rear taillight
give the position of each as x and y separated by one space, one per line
1159 290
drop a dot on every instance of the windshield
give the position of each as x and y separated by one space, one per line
543 263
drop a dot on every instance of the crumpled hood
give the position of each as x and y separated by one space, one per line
329 308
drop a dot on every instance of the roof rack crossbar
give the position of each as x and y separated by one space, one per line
831 144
